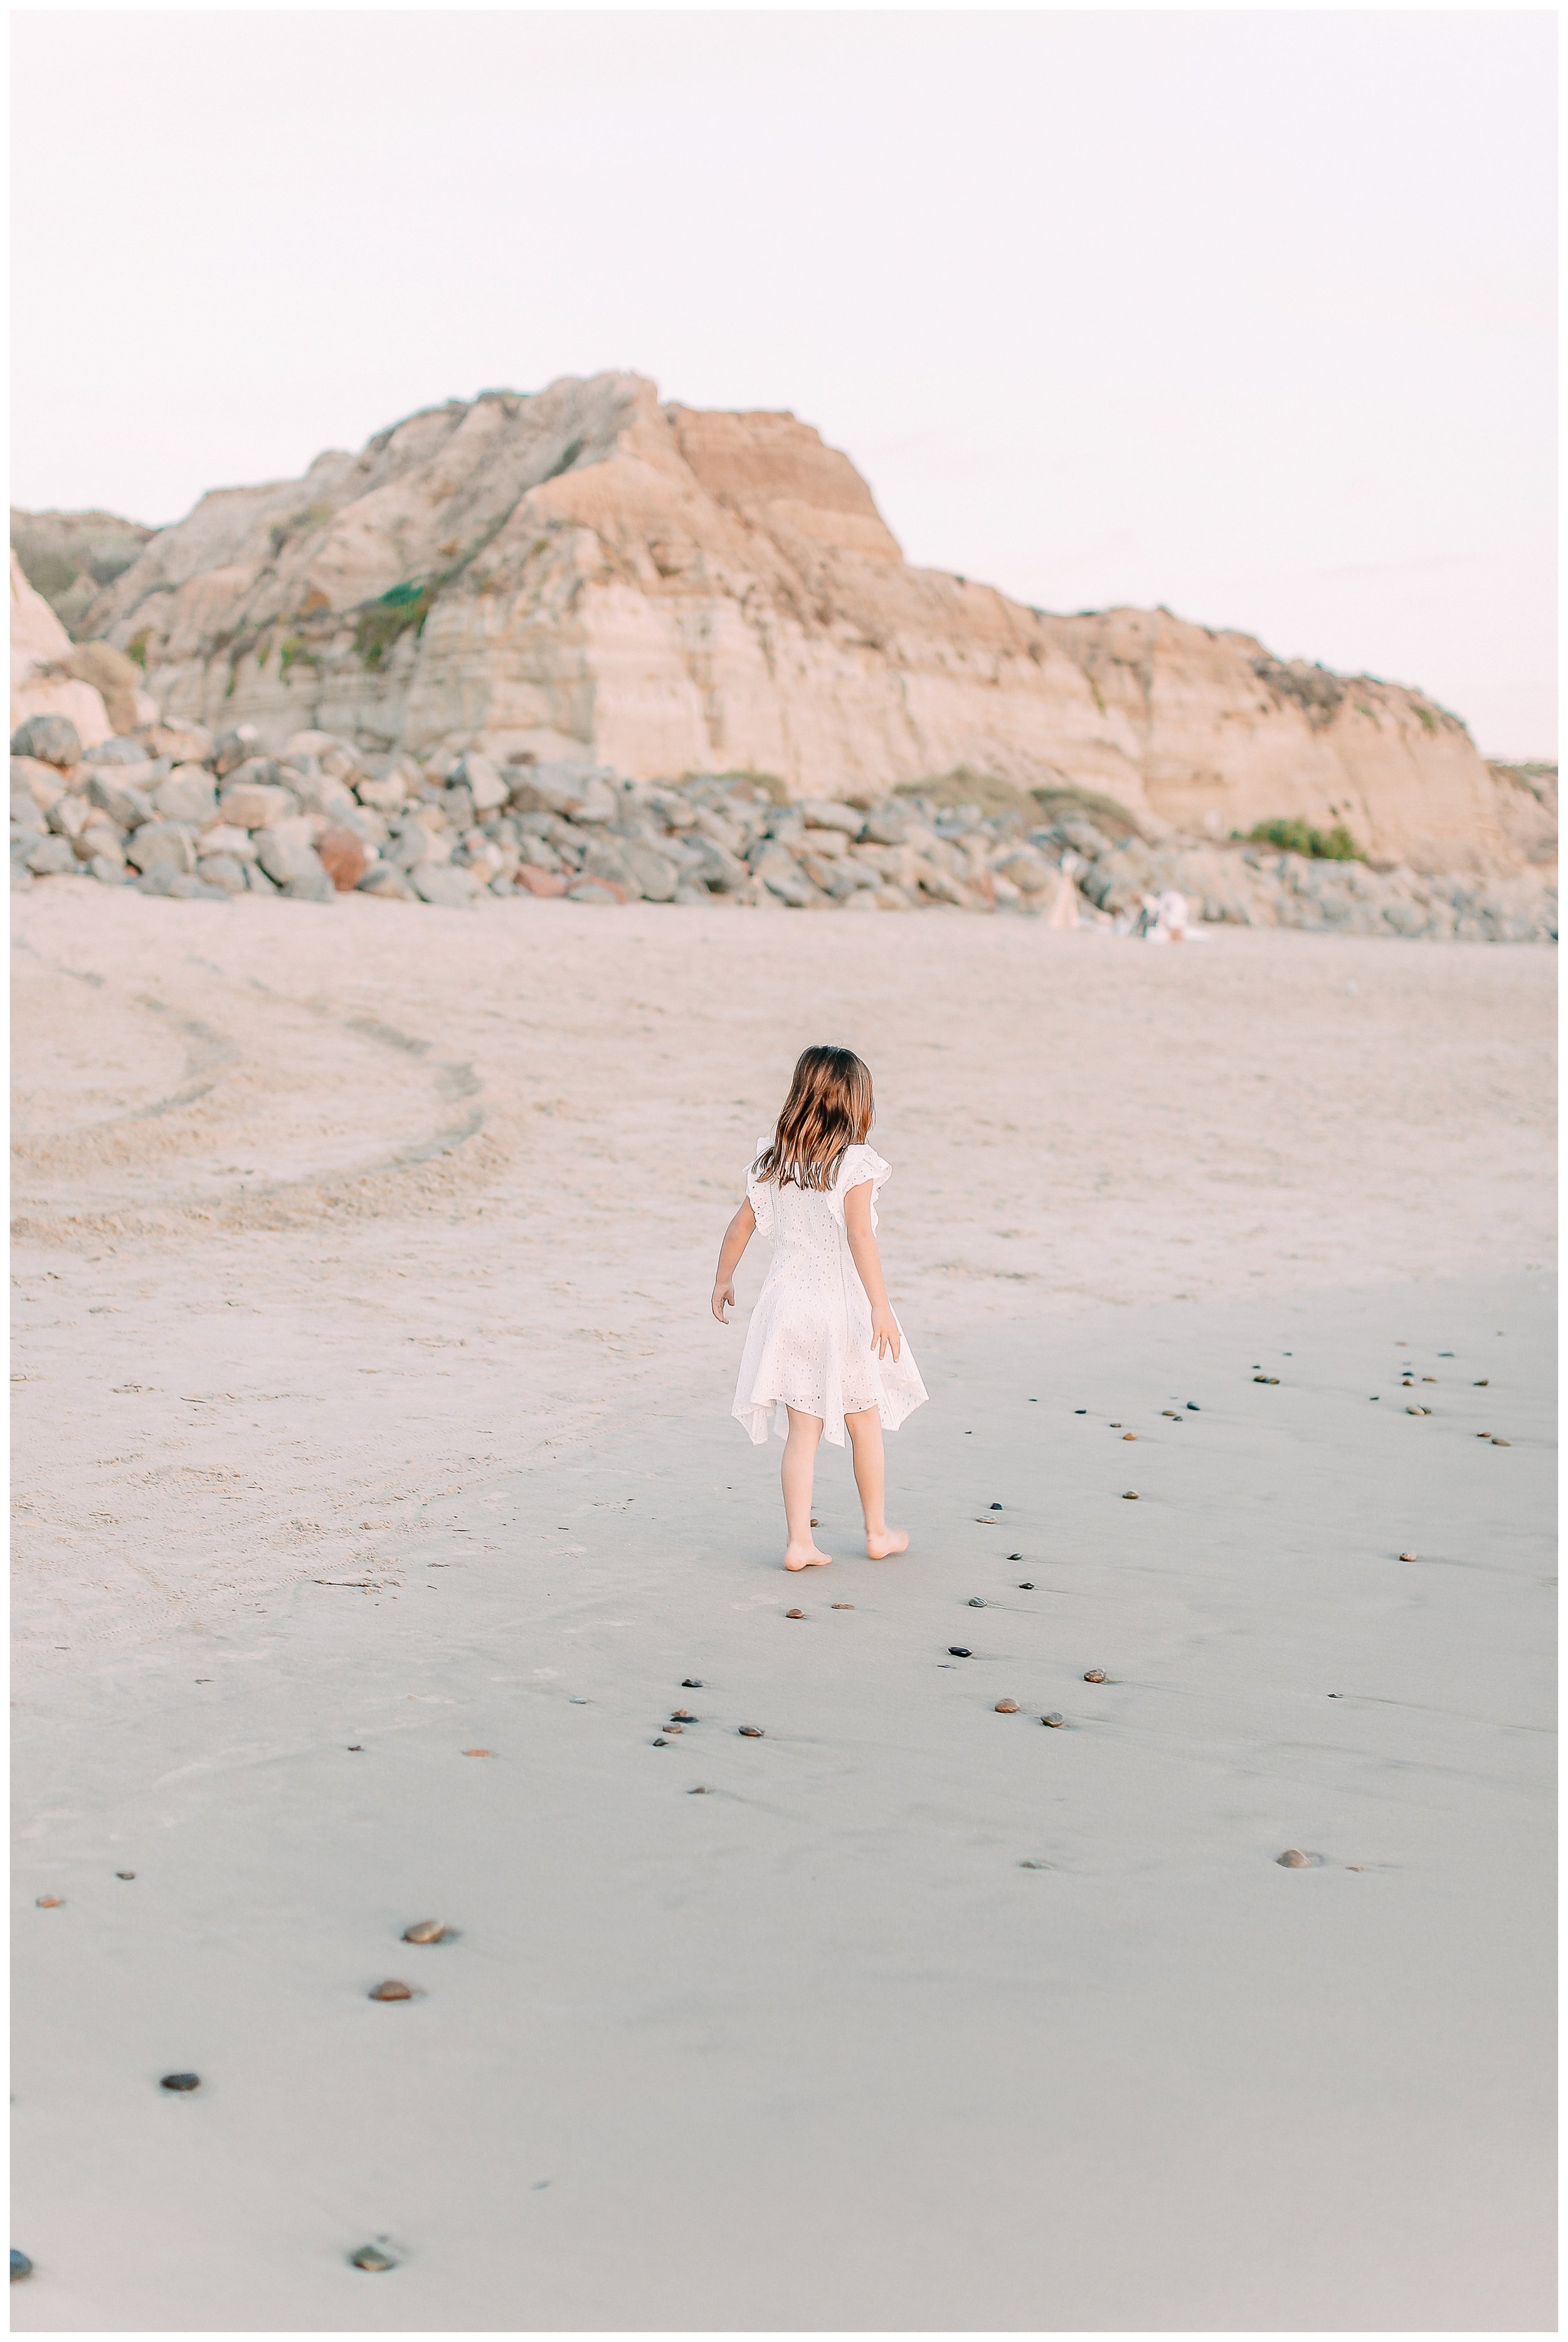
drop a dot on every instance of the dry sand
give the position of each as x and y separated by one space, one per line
368 1396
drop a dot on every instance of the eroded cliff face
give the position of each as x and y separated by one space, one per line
589 573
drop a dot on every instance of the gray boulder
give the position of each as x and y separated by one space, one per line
822 813
385 881
27 814
108 870
183 885
163 845
445 885
885 824
287 851
52 739
257 879
123 750
50 857
311 886
43 783
69 814
222 870
783 876
188 794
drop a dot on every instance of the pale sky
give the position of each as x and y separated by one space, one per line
1250 313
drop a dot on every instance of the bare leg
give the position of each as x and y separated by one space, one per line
798 1472
870 1476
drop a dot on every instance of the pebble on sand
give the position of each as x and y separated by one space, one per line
479 1752
1130 1495
424 1931
1007 1707
795 1613
1129 1434
1502 1443
1192 1407
371 2257
1016 1557
1483 1384
1026 1585
49 1902
959 1651
660 1742
682 1715
1410 1556
691 1683
1096 1674
977 1602
1031 1865
844 1606
1054 1719
391 1990
125 1874
1292 1859
675 1727
181 2082
751 1731
20 2264
1265 1378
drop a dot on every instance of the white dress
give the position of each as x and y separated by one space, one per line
808 1344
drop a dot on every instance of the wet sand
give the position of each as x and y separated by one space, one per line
814 2049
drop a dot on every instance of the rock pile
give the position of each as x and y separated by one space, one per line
174 812
171 811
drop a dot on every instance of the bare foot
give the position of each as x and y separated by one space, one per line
890 1541
801 1557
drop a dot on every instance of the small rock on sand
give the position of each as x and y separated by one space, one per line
392 1990
479 1752
844 1606
959 1651
1007 1707
125 1874
1096 1674
180 2082
1502 1443
48 1902
976 1601
424 1931
1410 1556
371 2257
21 2265
691 1683
1130 1495
751 1731
795 1613
1053 1720
1292 1859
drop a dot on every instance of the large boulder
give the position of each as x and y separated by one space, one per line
188 794
345 857
118 680
257 804
287 851
483 780
52 739
443 884
170 845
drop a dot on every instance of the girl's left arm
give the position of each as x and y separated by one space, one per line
738 1236
885 1338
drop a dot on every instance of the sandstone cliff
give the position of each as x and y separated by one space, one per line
587 572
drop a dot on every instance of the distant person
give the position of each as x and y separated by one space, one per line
824 1350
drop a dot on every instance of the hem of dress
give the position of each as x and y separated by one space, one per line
755 1417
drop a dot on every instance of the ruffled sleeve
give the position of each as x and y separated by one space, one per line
861 1163
760 1193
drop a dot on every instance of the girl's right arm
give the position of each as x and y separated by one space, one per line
738 1236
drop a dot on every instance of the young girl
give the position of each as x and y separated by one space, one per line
823 1347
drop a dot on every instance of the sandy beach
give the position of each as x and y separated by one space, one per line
369 1412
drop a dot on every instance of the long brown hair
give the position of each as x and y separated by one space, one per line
828 1111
